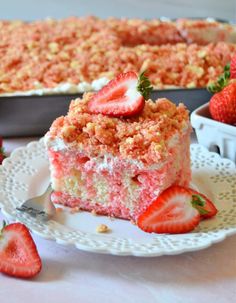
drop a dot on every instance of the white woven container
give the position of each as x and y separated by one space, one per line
214 135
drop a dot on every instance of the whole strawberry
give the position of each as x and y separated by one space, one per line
223 105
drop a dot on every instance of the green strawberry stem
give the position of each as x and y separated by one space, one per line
4 224
199 202
2 153
222 81
144 86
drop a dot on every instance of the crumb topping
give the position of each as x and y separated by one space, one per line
75 210
143 137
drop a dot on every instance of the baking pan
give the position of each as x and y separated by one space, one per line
33 115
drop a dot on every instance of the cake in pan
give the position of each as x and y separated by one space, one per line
82 54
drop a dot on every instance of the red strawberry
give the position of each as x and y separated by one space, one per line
122 96
2 154
175 211
208 209
233 67
223 105
18 252
1 157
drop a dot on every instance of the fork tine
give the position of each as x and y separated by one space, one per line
34 213
39 206
31 211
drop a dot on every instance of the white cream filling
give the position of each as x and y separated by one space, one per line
56 144
106 162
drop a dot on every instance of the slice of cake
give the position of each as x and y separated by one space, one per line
116 163
206 31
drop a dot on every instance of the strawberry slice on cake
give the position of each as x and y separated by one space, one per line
124 96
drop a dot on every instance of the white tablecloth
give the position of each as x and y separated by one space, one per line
70 275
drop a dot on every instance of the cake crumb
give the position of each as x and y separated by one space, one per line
75 210
59 209
93 212
102 228
133 222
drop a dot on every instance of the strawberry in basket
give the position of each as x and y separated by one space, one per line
222 105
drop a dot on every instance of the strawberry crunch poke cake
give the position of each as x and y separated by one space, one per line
114 152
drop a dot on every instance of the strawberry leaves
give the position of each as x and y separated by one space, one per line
222 81
4 224
199 202
144 86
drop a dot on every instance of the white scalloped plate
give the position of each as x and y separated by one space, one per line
26 174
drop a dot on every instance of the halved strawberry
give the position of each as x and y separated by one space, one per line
207 209
2 154
18 252
174 211
123 96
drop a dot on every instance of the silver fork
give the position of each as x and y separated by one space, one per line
40 206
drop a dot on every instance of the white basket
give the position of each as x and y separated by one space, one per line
214 135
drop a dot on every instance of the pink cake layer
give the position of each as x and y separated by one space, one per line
112 186
117 166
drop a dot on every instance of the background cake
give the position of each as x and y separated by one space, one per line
68 55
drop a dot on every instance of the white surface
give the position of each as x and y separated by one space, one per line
26 174
213 134
31 9
70 275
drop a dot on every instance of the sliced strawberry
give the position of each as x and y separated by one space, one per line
18 252
233 67
172 212
1 157
2 154
123 96
207 209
